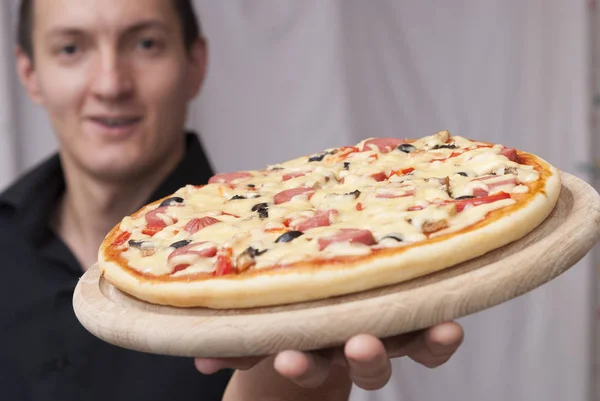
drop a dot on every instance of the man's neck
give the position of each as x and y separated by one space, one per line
90 208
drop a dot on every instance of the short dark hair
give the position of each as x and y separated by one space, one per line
190 26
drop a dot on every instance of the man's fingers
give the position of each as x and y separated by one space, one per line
436 345
398 346
369 365
303 368
209 366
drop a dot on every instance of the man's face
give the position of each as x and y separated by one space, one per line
115 79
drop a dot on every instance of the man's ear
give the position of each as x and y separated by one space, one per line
27 75
198 59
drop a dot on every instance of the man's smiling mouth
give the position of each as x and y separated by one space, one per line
116 122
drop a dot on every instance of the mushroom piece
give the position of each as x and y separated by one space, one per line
442 136
433 226
446 184
247 258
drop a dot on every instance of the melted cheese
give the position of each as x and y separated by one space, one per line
418 194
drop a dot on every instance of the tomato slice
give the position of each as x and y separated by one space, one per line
276 230
223 266
295 174
344 152
120 240
229 214
152 229
379 176
403 171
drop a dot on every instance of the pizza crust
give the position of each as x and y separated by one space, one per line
306 283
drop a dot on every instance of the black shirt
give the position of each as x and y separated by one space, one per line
45 353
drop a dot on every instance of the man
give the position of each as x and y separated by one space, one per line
115 78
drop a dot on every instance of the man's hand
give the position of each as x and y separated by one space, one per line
364 358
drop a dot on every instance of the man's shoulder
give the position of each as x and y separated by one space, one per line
31 181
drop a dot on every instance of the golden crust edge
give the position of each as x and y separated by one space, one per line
285 287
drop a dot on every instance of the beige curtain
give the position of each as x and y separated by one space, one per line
8 144
594 168
289 77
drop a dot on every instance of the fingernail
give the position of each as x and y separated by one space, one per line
207 367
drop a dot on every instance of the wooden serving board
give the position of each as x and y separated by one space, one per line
557 244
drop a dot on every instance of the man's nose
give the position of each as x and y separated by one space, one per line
113 79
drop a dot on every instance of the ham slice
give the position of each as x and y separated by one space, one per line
198 224
384 145
227 178
510 153
288 194
321 219
349 235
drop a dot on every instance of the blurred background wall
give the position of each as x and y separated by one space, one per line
290 77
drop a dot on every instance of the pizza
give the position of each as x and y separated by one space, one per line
340 221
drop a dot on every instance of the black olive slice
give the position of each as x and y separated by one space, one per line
356 193
406 148
253 251
180 244
394 237
463 174
317 158
171 201
259 206
135 244
235 197
251 186
464 197
262 209
289 236
450 146
346 165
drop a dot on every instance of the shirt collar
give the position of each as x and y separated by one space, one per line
194 169
33 197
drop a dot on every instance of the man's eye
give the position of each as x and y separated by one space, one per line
148 44
69 50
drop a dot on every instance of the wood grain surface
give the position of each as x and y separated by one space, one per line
556 245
